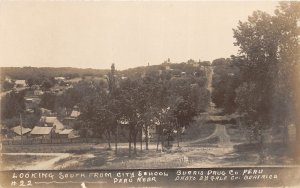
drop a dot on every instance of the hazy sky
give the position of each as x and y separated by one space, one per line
96 34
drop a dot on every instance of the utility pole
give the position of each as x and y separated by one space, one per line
21 124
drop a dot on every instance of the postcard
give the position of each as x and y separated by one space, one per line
149 94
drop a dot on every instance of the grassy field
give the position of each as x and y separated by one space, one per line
17 161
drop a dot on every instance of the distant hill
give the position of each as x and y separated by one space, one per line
24 73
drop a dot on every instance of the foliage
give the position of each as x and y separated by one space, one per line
12 104
269 53
226 79
7 85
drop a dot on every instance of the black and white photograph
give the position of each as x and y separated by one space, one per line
141 93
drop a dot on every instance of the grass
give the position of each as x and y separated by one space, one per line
266 154
15 161
80 151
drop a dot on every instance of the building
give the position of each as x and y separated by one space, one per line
75 114
52 122
20 131
32 102
66 133
58 90
70 121
20 83
46 112
42 132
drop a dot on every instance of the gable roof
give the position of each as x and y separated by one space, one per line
20 82
66 131
50 119
53 121
41 130
58 125
18 130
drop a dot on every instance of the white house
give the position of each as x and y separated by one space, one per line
20 83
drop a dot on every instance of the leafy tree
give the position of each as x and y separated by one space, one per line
269 56
226 79
183 112
48 101
12 104
7 85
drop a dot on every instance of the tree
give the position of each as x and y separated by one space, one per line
287 19
225 80
7 85
269 52
183 113
12 104
113 103
48 101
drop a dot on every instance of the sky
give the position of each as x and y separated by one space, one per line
94 34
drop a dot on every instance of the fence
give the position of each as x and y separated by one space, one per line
31 141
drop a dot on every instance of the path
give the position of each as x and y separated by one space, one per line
43 164
219 132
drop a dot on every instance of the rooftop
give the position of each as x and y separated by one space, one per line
41 130
20 130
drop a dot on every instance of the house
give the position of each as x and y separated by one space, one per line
67 133
20 83
52 122
70 121
58 90
32 102
152 130
38 92
8 79
46 112
42 132
19 130
75 114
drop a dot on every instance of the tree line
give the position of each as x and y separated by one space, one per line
135 104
